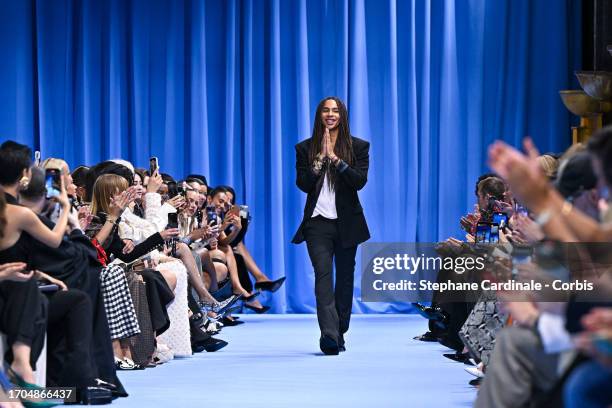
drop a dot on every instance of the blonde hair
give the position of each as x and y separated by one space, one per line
105 187
548 164
53 163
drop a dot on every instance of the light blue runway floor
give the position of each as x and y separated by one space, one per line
274 361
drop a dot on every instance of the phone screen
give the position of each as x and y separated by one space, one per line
494 233
501 219
52 182
483 232
172 189
153 165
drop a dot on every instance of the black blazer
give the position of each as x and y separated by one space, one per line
351 221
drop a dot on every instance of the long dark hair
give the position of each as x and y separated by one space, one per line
344 144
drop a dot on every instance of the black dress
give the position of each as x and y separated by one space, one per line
23 309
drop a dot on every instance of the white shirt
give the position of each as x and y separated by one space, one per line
553 333
326 203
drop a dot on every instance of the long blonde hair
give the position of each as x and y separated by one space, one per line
105 187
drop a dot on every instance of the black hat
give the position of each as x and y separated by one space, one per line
576 175
199 177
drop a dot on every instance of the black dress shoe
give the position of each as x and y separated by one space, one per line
329 346
427 336
93 396
458 357
476 382
270 286
211 345
227 322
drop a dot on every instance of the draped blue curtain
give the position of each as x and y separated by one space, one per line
226 88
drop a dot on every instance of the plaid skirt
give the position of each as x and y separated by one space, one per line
120 312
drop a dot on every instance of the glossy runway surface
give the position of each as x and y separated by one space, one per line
274 361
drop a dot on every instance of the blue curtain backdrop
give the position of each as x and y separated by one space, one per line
226 88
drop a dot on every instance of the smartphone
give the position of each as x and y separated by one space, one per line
244 211
173 189
47 288
211 215
53 182
153 165
483 232
519 209
173 220
494 233
501 219
37 158
183 189
234 210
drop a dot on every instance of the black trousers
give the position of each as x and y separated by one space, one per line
325 249
69 360
23 317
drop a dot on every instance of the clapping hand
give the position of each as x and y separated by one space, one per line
85 216
120 202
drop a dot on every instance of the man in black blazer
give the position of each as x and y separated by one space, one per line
333 223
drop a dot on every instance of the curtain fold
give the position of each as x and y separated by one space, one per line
226 89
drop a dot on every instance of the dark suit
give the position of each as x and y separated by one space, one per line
330 241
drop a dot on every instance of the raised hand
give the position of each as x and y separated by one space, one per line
176 201
85 216
120 202
154 183
62 198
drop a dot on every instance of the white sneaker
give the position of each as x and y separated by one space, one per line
475 371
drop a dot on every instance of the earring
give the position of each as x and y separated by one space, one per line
23 183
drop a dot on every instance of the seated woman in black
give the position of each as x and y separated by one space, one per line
22 314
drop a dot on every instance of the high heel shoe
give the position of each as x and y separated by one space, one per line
250 297
258 310
270 286
20 382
